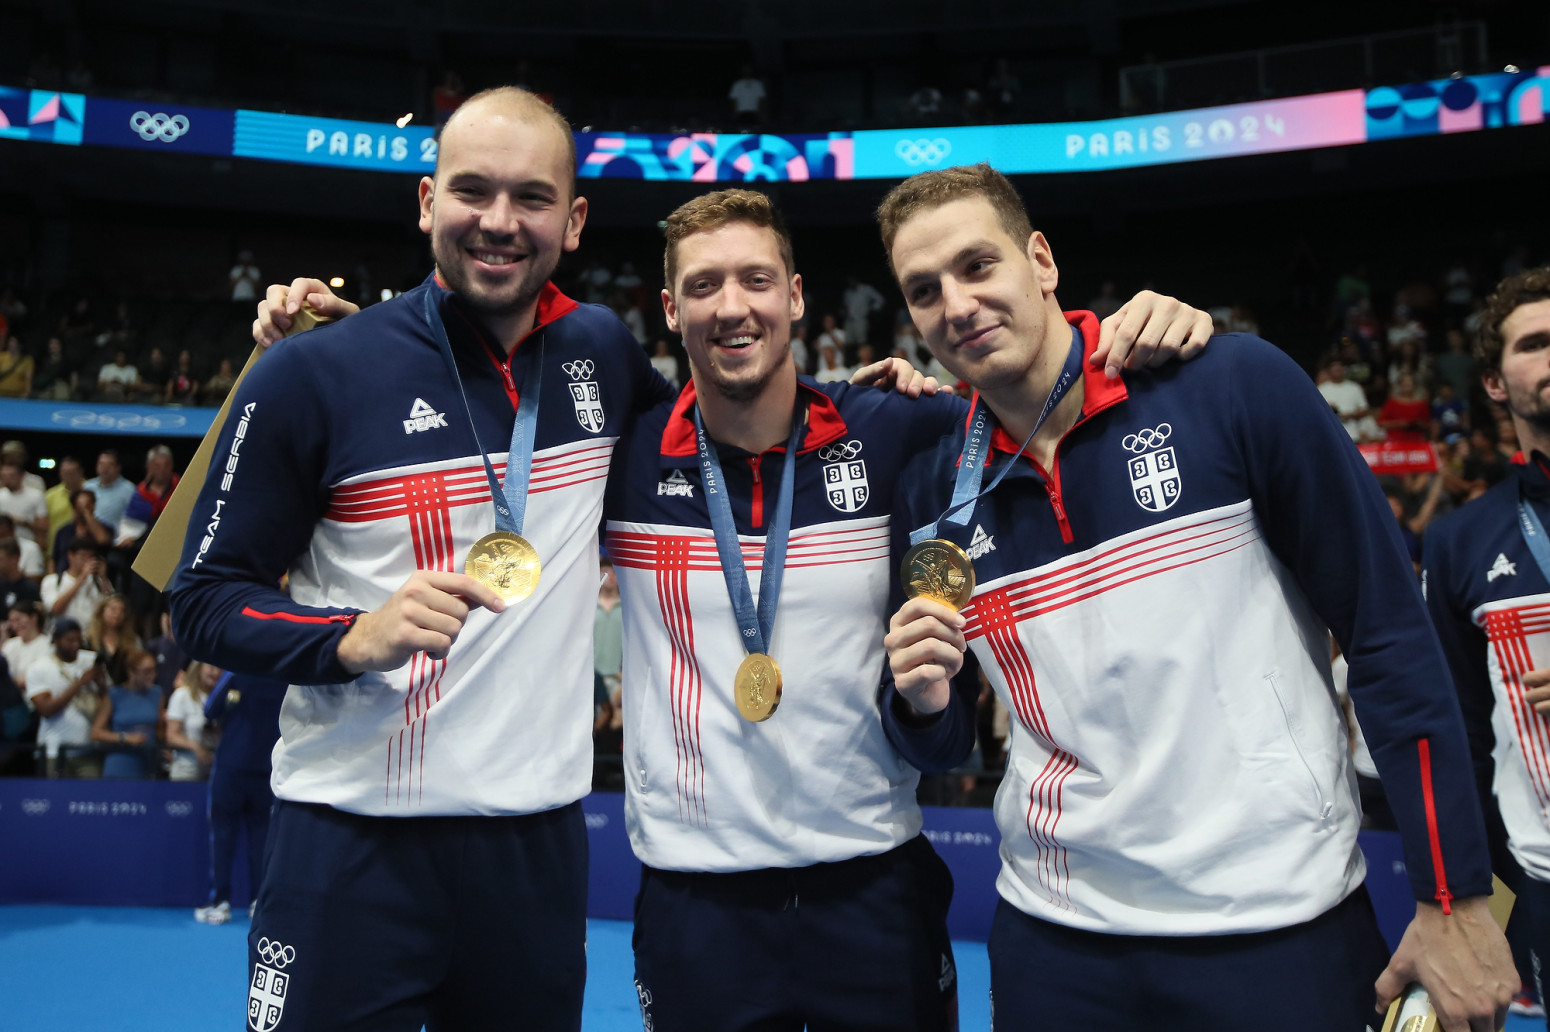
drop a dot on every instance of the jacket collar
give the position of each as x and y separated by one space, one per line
1533 474
824 426
1098 391
552 305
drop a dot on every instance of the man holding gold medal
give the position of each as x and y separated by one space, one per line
428 840
1179 816
746 815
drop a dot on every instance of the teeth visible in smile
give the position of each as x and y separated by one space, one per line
495 259
737 342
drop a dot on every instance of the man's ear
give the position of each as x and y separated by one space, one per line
670 310
1494 388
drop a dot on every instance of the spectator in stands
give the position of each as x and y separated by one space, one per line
170 657
630 314
1406 415
57 499
150 497
182 388
245 279
75 591
830 368
186 724
830 337
22 502
18 451
129 715
1450 416
31 555
860 301
111 635
112 490
1408 356
65 689
116 379
1456 366
15 586
27 643
17 723
248 712
15 369
55 377
121 331
629 281
1458 290
85 527
925 105
447 97
12 309
748 96
1349 402
1485 467
151 377
218 386
665 362
77 326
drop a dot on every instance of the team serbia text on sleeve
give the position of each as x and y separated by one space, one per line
348 463
1155 621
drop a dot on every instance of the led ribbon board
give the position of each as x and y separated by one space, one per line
1347 117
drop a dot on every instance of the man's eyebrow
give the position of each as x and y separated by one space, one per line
1537 337
964 254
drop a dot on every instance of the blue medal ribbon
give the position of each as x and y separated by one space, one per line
971 464
510 498
756 624
1533 533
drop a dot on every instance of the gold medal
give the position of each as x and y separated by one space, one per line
506 563
941 570
306 318
757 687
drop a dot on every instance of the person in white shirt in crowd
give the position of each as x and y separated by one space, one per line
115 379
665 362
860 301
65 689
112 490
1349 401
245 278
23 504
747 96
18 451
74 592
31 560
831 336
186 723
27 643
830 368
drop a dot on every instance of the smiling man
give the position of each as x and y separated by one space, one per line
1487 573
427 840
1179 813
786 883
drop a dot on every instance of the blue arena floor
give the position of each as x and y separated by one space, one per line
131 969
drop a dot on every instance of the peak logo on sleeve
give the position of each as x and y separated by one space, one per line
422 417
1503 567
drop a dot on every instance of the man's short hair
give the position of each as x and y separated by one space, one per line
720 208
81 543
1512 293
933 189
108 453
76 495
28 607
8 546
532 106
64 625
160 451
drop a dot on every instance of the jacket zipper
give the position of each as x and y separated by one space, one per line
758 490
1443 896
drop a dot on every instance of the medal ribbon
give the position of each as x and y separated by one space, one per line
510 498
971 464
1533 533
756 625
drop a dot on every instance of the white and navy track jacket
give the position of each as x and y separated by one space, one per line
348 462
1153 613
1491 605
709 791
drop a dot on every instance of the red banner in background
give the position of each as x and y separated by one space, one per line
1396 458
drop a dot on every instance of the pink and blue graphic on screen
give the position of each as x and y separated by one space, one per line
41 115
716 157
1458 105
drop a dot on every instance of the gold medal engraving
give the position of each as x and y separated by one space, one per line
506 563
757 687
941 570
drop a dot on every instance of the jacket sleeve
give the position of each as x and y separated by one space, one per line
1325 518
944 740
255 514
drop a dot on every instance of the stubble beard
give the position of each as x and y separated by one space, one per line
743 392
460 283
